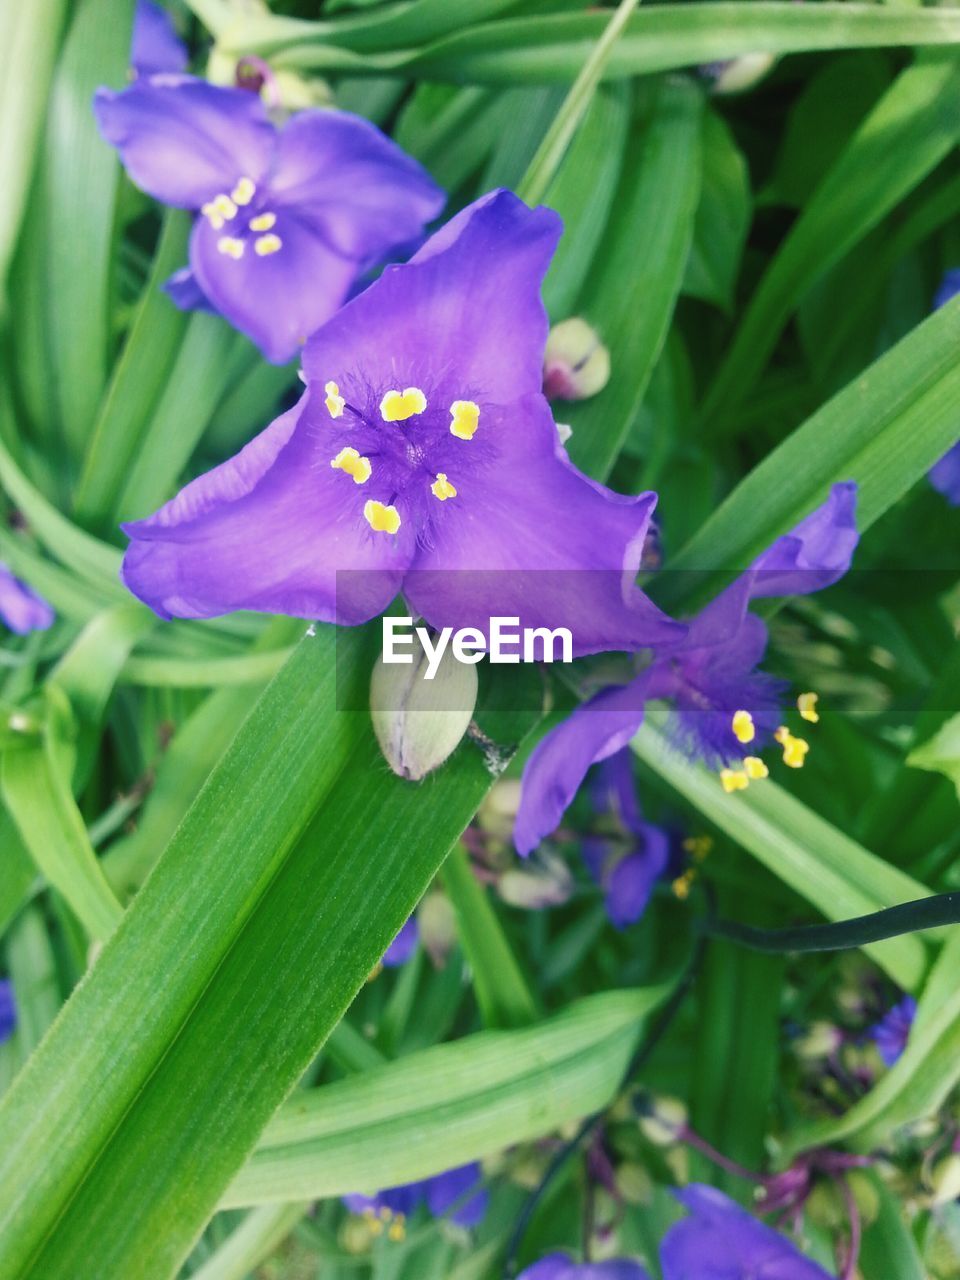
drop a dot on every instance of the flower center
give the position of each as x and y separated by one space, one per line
243 226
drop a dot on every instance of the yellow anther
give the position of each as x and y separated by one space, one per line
244 191
225 207
807 706
262 222
755 768
442 488
397 1232
733 780
381 518
698 847
264 245
350 461
681 886
376 1227
231 246
794 751
335 402
211 213
465 418
743 728
397 406
782 735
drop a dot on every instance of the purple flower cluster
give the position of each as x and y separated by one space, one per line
891 1033
719 1241
457 1193
21 609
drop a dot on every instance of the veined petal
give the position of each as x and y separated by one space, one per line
530 536
469 301
362 193
278 298
21 609
184 141
156 46
269 530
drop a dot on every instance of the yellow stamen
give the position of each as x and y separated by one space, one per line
225 207
264 245
807 706
794 751
755 768
262 222
376 1227
244 191
231 246
465 418
211 213
397 406
381 518
397 1232
335 402
350 461
782 734
681 886
733 780
698 847
743 728
442 488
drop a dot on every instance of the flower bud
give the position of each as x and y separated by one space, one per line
737 75
946 1179
663 1120
576 364
544 883
634 1184
419 722
820 1040
438 927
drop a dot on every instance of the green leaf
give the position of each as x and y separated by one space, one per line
838 876
503 995
34 974
723 217
19 872
256 929
941 753
888 1251
447 1105
629 297
252 1242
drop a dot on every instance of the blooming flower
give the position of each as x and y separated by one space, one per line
721 1241
560 1266
289 218
891 1033
723 703
403 946
457 1187
422 456
627 879
156 46
21 608
945 475
8 1010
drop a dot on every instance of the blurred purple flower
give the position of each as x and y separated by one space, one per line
721 1241
710 676
891 1033
422 456
439 1194
288 219
627 879
945 475
8 1010
403 946
156 46
21 608
560 1266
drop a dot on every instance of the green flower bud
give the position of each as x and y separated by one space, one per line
663 1121
946 1179
820 1040
546 883
634 1184
743 73
576 364
438 927
419 722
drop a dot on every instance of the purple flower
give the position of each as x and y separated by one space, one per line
439 1194
722 701
945 475
721 1241
289 218
422 457
8 1010
403 946
156 46
560 1266
627 879
891 1033
21 608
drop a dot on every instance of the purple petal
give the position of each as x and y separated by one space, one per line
8 1010
362 193
631 883
559 762
721 1241
184 141
21 609
403 946
815 554
614 788
468 301
184 292
945 475
892 1032
530 537
156 45
949 287
268 530
279 299
447 1189
555 1266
